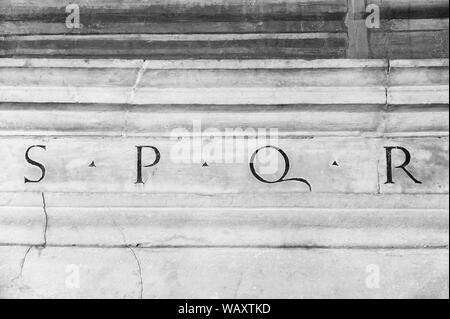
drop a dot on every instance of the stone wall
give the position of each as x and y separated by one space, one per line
96 200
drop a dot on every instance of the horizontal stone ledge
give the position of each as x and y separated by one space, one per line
216 165
207 64
403 44
274 227
413 94
222 64
194 25
215 227
410 45
161 120
242 200
71 272
23 225
275 82
162 38
395 26
216 96
273 220
214 64
168 46
412 9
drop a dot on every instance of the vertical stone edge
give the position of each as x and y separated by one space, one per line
358 39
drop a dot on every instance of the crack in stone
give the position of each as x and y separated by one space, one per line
22 264
141 282
126 245
387 85
124 238
382 119
138 81
132 94
381 128
44 206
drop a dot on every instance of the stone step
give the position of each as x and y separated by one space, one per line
212 82
74 272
